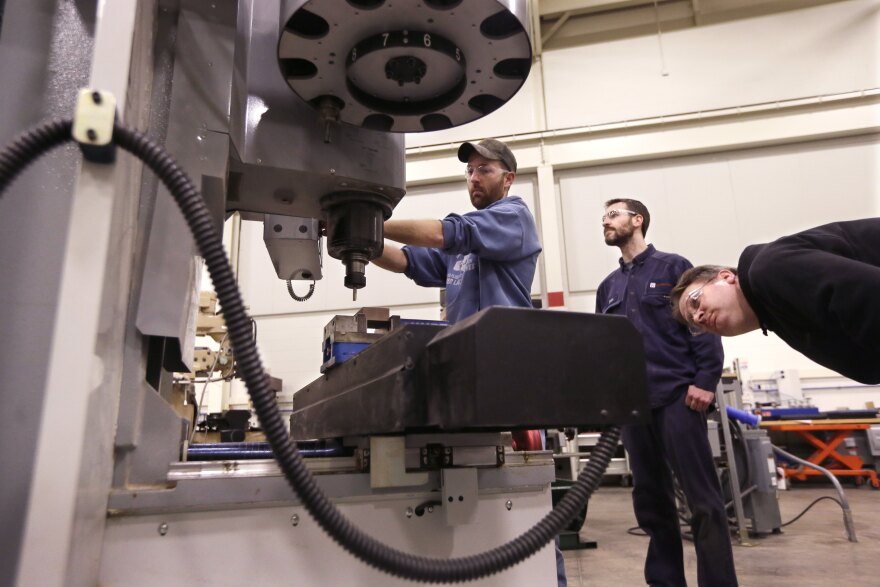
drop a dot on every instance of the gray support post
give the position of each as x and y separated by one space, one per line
64 497
743 534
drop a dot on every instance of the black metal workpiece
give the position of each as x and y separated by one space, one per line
515 368
501 369
378 390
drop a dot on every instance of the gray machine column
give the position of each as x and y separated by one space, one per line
38 36
59 529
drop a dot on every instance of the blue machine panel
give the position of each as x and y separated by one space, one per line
340 352
788 413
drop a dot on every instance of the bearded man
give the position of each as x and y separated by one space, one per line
483 258
683 373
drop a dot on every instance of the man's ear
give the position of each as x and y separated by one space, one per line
728 276
508 179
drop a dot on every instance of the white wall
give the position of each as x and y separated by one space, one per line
709 207
828 49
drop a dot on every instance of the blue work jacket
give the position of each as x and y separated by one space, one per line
488 259
675 359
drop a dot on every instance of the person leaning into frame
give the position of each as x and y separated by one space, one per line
818 290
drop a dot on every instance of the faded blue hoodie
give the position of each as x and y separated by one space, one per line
488 259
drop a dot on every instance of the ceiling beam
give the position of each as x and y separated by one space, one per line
556 8
545 38
607 20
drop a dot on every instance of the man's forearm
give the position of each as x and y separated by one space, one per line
392 259
419 233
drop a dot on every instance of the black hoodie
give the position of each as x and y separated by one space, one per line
819 291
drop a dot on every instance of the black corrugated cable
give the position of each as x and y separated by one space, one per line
303 297
33 143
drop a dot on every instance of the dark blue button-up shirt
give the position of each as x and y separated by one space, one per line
675 359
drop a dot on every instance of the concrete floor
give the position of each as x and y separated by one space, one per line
812 552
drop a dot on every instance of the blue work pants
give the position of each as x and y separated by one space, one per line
676 437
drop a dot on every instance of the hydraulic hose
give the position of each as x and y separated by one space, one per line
844 502
33 143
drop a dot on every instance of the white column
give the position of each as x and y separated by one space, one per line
554 285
